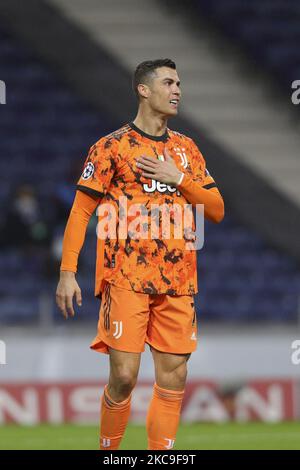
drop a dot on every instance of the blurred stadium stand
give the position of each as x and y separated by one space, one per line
269 29
56 108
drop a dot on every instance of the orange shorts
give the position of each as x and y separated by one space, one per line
128 320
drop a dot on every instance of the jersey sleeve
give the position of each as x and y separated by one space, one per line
99 168
200 187
82 209
200 171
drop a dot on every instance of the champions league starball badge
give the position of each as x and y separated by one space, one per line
88 171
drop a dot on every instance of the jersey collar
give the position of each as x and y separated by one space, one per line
157 138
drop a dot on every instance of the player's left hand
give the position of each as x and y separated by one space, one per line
165 172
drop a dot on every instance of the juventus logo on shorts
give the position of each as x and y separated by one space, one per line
119 329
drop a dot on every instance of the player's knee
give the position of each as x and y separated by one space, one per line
127 381
180 374
124 382
174 378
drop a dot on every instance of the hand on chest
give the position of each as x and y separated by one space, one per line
130 172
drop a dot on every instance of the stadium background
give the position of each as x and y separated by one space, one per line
67 67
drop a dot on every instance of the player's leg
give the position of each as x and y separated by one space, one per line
164 410
172 335
124 368
116 399
121 333
170 369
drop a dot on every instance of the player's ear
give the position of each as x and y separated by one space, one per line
143 90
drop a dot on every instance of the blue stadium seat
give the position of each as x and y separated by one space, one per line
269 30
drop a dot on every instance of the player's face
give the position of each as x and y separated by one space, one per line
165 92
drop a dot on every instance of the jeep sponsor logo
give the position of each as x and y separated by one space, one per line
160 187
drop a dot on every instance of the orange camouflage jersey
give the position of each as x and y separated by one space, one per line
159 264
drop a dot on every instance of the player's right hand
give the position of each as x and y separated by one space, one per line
66 289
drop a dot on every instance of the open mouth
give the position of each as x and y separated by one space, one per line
174 102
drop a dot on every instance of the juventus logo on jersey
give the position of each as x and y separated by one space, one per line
119 329
181 153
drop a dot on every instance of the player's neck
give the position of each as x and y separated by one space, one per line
152 125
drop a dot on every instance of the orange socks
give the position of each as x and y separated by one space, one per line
114 418
163 418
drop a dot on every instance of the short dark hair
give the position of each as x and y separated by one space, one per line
146 68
